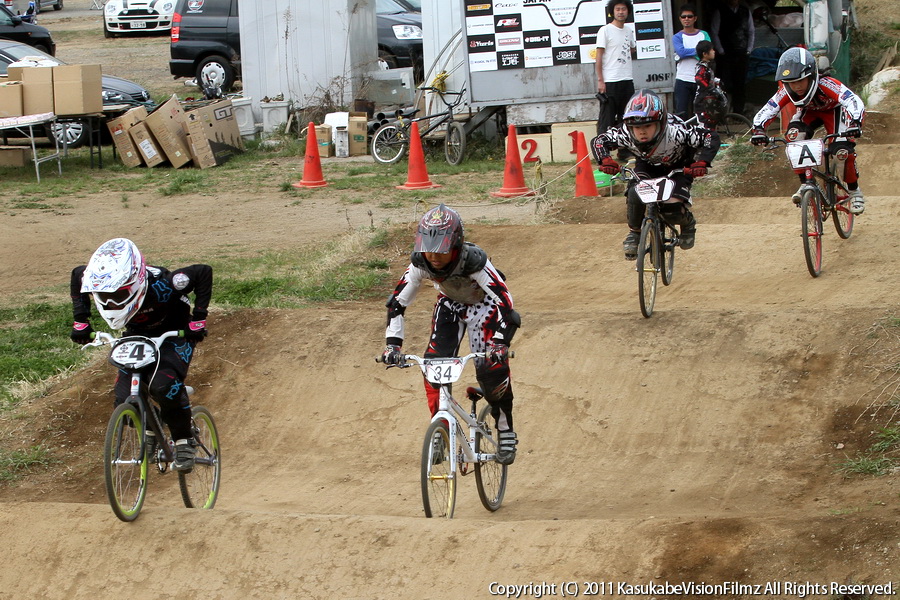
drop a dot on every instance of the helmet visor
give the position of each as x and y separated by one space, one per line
439 242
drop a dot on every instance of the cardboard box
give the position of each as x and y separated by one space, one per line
125 146
167 123
146 144
77 89
37 95
15 156
563 138
358 132
323 140
11 99
214 134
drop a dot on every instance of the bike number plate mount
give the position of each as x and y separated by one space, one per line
132 354
443 370
805 153
655 190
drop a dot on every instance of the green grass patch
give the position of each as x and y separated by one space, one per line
34 345
866 465
15 463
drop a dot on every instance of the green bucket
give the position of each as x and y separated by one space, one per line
602 179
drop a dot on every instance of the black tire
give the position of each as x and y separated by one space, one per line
648 266
389 144
42 48
106 31
840 214
811 230
218 70
58 5
490 477
455 143
734 126
438 480
200 487
74 134
669 237
125 462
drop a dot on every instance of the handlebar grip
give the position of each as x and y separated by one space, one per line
512 353
93 335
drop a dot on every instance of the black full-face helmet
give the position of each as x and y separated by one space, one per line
796 64
441 231
642 108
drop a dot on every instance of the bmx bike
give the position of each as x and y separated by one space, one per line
136 438
391 142
822 194
456 441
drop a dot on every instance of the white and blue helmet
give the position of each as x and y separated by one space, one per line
116 275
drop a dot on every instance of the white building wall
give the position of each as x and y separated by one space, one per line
305 49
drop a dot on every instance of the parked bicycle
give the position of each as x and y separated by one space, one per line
822 194
730 127
136 439
448 452
659 238
391 142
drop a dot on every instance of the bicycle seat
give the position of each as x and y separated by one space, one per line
474 393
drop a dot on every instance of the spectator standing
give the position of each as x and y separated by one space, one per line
733 35
685 44
615 79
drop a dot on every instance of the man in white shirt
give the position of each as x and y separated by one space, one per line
615 80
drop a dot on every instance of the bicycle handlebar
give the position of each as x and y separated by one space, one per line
774 141
102 338
406 358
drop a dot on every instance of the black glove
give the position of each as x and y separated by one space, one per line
196 331
854 130
758 137
81 333
392 355
498 354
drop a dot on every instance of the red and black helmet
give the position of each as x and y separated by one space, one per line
642 108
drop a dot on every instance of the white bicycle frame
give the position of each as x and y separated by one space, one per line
444 372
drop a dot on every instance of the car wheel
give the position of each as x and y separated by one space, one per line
43 49
387 58
58 5
216 70
106 32
76 133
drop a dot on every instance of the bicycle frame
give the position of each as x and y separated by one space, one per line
440 117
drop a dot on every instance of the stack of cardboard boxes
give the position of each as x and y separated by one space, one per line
343 134
36 89
207 136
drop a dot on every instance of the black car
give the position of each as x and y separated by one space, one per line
115 89
13 28
206 39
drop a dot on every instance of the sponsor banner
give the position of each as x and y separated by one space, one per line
649 30
647 11
477 9
509 42
481 43
539 57
651 49
513 59
509 22
566 55
483 62
537 39
480 25
587 36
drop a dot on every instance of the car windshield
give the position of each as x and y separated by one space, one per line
15 52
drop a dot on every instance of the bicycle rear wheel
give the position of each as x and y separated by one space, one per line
389 144
455 143
125 462
438 480
733 126
200 487
840 214
811 229
648 266
667 251
490 477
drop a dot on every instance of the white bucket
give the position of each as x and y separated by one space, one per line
274 115
243 114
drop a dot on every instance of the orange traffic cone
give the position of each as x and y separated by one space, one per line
585 184
312 167
513 179
417 174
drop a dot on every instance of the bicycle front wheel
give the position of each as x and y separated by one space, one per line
648 266
490 476
125 462
733 126
667 250
438 480
200 487
811 228
389 144
840 214
455 143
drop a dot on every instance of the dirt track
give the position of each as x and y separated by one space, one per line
697 446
